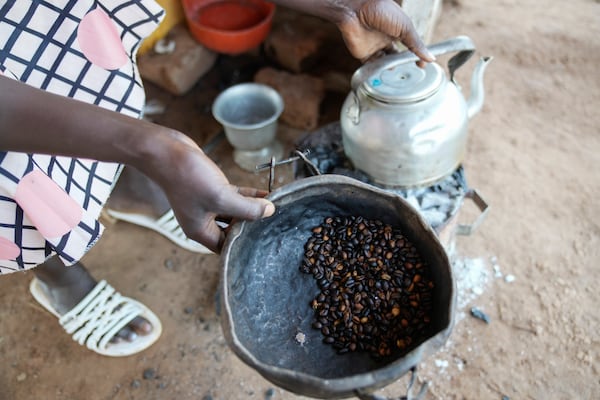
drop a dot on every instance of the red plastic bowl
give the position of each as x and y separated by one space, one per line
229 26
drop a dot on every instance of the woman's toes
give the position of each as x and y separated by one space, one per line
126 334
141 326
137 326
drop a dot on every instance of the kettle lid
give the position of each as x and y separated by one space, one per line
404 83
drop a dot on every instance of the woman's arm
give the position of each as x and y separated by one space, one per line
35 121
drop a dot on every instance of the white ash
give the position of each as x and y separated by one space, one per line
441 364
472 278
509 278
434 217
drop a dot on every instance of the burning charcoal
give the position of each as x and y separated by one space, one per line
413 201
350 173
435 218
325 158
434 199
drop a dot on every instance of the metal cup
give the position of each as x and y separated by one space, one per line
249 113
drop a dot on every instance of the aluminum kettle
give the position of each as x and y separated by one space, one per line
406 126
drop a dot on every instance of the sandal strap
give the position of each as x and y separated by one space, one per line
99 316
170 223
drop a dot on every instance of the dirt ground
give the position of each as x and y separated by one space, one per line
533 154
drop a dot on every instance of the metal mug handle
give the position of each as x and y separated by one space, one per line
461 44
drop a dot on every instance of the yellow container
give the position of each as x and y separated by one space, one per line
173 17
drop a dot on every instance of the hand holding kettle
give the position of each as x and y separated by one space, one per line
368 27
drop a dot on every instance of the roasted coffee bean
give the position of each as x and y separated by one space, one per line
376 290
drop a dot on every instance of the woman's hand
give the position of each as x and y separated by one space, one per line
200 194
375 25
368 26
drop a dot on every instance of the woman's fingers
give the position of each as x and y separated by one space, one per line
376 25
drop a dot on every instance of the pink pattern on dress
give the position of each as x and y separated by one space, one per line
100 42
8 250
51 210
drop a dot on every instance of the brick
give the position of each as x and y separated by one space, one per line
178 71
301 93
296 43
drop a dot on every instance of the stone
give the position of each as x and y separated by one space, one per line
269 394
296 44
302 95
149 373
176 71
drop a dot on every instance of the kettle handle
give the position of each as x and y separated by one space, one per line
461 44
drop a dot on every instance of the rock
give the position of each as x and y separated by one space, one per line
269 394
169 264
149 373
302 95
295 45
302 43
177 71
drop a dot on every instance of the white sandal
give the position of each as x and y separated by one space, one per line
99 316
166 225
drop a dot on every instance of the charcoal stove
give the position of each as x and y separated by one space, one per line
405 127
438 203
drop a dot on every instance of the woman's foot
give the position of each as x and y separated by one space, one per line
135 193
65 287
139 200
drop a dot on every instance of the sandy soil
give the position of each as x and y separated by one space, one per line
534 154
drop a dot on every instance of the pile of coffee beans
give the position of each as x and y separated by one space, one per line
375 289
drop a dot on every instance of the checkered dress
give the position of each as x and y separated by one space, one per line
83 49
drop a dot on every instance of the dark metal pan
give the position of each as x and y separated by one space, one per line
265 300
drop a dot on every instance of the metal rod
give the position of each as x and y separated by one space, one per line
272 174
282 162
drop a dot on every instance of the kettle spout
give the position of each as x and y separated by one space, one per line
477 96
